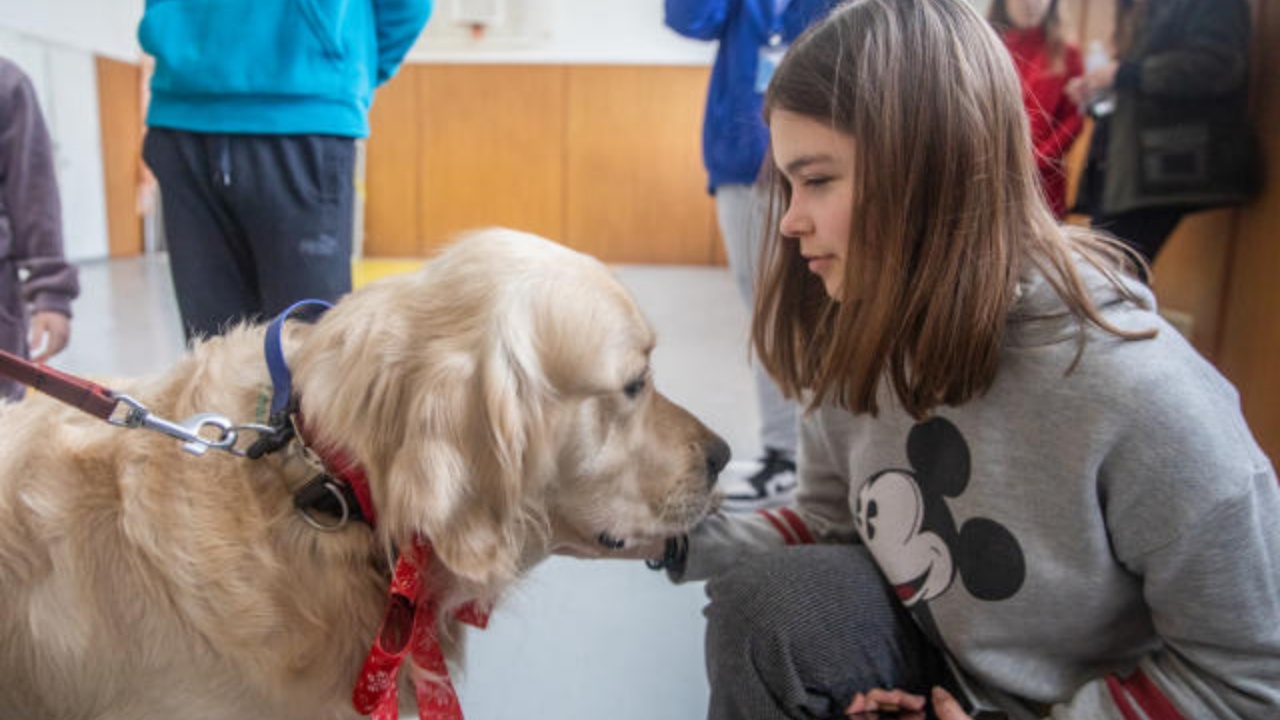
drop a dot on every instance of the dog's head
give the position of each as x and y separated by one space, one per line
501 400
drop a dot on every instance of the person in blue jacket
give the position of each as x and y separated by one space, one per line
753 36
254 112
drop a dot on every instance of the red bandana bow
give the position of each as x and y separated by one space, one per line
410 626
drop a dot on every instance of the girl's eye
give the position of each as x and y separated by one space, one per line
817 181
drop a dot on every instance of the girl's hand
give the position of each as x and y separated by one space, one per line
1102 78
881 703
903 705
1088 87
947 707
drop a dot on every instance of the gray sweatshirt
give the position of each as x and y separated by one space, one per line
34 274
1083 544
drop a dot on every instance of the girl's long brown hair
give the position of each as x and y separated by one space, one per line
946 212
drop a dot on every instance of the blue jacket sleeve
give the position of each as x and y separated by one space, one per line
697 19
399 24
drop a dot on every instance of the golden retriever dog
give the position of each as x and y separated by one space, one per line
501 405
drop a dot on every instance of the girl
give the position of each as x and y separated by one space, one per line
1069 510
1032 31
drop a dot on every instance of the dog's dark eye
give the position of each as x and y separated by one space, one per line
634 388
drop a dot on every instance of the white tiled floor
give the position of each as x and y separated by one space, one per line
577 640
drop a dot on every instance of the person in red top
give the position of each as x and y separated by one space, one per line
1032 31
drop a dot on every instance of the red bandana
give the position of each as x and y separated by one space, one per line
410 626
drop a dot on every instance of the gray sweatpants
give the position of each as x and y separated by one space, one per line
795 633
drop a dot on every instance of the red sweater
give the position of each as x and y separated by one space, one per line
1055 120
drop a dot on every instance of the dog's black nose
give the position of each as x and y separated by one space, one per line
717 451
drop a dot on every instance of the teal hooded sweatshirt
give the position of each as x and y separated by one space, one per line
274 67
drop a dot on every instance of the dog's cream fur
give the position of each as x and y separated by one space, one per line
501 404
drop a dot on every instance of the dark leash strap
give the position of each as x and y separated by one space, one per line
76 392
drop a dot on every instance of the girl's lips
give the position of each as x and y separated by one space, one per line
818 263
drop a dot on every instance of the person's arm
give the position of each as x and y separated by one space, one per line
1191 508
1215 598
821 515
1212 60
1067 120
399 24
34 210
697 19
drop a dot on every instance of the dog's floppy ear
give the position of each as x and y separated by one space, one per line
458 477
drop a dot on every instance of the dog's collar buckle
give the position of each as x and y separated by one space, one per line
328 496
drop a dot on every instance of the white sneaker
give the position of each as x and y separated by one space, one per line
766 483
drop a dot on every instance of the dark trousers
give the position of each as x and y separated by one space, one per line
1145 230
253 222
796 633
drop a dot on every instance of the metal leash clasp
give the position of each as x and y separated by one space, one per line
198 433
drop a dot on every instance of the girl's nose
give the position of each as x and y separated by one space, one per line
792 223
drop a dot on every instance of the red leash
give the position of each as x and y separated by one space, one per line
76 392
199 433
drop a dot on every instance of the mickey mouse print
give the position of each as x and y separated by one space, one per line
903 517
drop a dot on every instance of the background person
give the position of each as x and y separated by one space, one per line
1032 31
1179 138
254 112
752 37
37 284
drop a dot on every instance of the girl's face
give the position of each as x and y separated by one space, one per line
1026 14
817 162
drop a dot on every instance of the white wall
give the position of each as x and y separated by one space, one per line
534 31
562 31
55 42
105 27
65 79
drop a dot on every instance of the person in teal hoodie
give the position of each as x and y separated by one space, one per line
254 112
